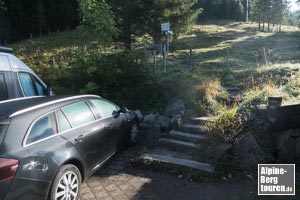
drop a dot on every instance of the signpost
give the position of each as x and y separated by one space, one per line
165 27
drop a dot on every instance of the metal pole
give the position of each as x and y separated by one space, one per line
168 46
154 57
168 41
191 58
165 59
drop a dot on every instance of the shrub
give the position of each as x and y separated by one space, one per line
212 97
226 127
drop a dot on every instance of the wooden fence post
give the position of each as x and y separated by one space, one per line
191 59
265 56
155 60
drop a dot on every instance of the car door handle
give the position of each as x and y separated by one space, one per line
110 126
79 138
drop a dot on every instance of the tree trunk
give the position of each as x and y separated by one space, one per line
280 26
40 31
128 39
247 11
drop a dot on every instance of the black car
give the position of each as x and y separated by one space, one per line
49 145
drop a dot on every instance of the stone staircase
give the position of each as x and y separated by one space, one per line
178 147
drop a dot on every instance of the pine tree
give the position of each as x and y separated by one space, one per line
38 17
3 24
16 18
260 12
179 13
270 11
97 20
128 14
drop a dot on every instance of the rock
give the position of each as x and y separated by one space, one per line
139 114
249 152
176 122
158 120
150 119
222 149
289 151
163 122
149 134
176 107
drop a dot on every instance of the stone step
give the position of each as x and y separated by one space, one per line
174 162
193 128
202 120
179 145
188 137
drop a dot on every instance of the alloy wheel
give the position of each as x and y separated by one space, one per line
68 187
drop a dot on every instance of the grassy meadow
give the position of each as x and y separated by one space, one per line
225 53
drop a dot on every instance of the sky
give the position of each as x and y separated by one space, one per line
294 6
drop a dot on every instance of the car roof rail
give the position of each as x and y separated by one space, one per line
6 49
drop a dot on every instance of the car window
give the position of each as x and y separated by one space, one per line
63 123
41 129
78 113
105 108
27 84
40 88
3 88
4 64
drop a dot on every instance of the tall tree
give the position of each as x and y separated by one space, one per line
270 11
222 9
97 19
138 17
3 22
247 11
16 17
38 17
180 13
128 20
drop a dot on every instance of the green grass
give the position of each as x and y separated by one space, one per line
212 43
228 51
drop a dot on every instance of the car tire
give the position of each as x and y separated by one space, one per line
134 133
66 184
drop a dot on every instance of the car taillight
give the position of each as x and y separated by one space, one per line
8 168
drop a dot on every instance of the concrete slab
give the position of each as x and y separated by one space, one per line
187 137
202 120
193 128
178 162
179 145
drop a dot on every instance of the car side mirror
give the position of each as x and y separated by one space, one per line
123 110
50 92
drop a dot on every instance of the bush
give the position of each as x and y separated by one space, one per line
212 97
226 127
119 77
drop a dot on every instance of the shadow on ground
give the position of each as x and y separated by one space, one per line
119 180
